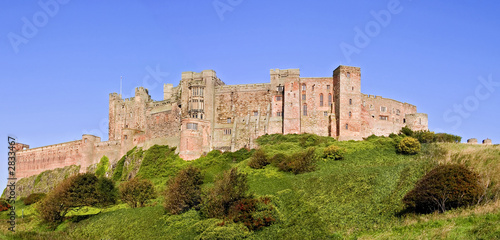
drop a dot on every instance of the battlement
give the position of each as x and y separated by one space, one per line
285 72
244 87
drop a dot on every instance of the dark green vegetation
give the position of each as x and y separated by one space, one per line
444 188
360 196
184 191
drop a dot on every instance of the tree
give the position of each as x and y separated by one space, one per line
184 191
443 188
408 145
229 188
74 193
136 192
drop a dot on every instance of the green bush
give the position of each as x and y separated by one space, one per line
408 145
229 188
106 191
406 131
33 198
259 159
184 191
443 188
136 192
102 166
333 152
300 162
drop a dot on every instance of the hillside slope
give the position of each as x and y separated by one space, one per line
357 197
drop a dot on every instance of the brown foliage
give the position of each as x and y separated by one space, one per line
300 162
259 160
443 188
184 191
228 189
136 192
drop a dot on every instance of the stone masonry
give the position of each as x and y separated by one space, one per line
202 114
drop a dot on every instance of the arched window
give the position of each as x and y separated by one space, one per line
303 87
350 114
329 99
304 109
321 100
348 75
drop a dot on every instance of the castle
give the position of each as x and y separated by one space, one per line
202 114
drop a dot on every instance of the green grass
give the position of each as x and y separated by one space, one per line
357 197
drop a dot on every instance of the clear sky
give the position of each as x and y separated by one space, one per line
59 60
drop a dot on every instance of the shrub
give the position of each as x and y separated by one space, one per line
253 213
33 198
107 193
333 152
184 191
406 131
278 158
409 146
425 136
74 193
229 188
136 192
445 137
299 162
259 160
4 206
443 188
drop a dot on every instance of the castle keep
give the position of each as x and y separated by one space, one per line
202 114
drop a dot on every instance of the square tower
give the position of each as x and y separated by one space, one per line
347 97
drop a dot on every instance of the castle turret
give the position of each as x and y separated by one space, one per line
347 100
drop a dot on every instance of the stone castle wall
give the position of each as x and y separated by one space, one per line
202 114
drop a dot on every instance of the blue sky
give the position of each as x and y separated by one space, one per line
59 60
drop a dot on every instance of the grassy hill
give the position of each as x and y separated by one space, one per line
357 197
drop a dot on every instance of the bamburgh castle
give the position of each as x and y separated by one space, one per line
202 114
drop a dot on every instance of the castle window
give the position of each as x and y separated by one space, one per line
327 87
303 87
192 126
350 101
255 113
279 114
383 109
321 100
373 116
364 103
350 114
352 88
420 121
346 126
125 137
303 97
85 140
227 131
313 87
228 120
304 109
348 75
404 120
398 112
385 118
325 113
329 99
278 98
